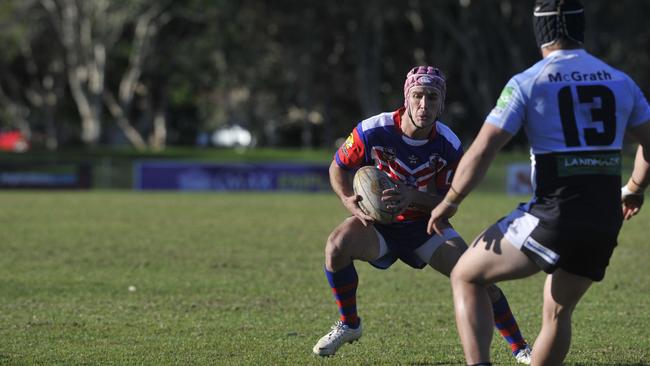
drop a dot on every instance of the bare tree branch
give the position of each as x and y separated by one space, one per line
117 112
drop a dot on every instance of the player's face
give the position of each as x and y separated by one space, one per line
424 103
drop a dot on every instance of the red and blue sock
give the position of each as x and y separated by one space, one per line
344 286
507 325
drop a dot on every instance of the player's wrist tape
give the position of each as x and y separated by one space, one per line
449 203
625 191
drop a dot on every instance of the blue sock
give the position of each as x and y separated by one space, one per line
344 286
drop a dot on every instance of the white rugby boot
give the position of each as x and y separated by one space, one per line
523 355
332 341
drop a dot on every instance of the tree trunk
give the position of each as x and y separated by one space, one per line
146 28
158 137
85 60
118 112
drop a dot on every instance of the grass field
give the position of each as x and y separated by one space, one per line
236 279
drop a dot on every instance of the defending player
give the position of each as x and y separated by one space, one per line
575 110
421 154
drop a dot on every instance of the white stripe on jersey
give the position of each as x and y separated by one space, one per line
449 135
414 142
380 120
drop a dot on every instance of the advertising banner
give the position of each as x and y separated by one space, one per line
196 176
45 175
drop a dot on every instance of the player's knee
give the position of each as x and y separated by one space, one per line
457 277
337 244
460 275
554 311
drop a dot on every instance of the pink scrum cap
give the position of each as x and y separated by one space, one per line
425 76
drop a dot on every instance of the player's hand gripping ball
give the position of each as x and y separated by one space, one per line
369 183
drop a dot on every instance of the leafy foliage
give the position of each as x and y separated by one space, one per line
295 74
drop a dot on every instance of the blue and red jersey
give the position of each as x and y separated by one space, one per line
427 165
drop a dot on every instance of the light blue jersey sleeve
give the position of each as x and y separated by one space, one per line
510 110
641 110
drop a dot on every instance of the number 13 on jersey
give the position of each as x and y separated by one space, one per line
602 111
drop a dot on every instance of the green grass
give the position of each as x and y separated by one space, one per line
236 279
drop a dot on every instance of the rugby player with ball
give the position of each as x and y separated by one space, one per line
413 157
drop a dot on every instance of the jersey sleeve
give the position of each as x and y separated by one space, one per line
641 109
510 110
352 154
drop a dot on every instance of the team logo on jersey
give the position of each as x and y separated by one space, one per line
389 154
348 144
505 96
437 162
413 159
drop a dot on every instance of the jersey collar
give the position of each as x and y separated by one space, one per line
568 51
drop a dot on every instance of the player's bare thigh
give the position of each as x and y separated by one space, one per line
564 290
491 258
349 241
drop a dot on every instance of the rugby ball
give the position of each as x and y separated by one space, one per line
368 183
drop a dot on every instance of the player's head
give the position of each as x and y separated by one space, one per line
426 79
555 20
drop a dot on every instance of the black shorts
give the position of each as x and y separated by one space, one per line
583 251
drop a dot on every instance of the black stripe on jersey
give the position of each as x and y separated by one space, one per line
579 189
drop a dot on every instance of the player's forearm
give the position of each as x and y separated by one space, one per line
640 179
471 170
340 181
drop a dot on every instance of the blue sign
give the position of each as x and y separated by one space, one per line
194 176
45 175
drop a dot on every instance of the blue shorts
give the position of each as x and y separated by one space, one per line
408 242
